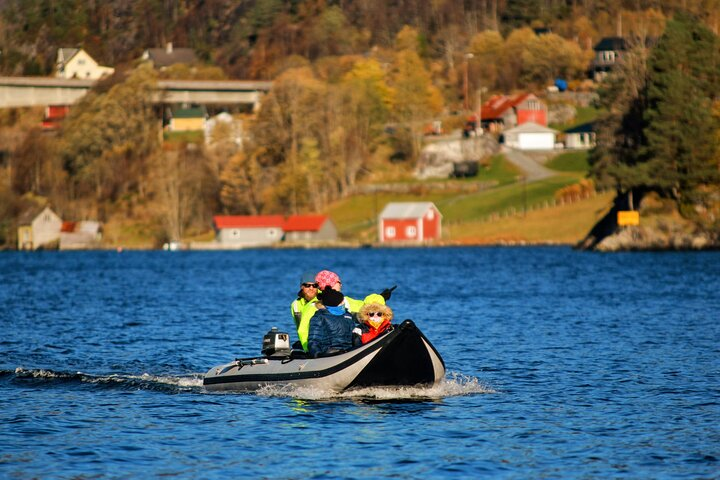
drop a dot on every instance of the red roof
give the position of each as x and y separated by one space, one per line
67 227
498 104
248 221
304 223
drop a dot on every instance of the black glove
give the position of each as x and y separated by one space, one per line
387 293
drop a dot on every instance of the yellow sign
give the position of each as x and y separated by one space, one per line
628 217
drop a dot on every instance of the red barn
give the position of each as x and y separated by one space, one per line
410 222
501 111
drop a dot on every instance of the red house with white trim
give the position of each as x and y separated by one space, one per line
410 222
309 228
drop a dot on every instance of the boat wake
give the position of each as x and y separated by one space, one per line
145 381
454 385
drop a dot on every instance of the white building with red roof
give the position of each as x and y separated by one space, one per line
238 231
309 228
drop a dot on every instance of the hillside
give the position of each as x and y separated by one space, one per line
511 212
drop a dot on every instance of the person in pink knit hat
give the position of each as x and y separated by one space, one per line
329 280
326 278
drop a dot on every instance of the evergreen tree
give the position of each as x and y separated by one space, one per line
661 132
681 152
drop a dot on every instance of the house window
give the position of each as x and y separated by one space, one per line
235 232
410 231
390 232
272 233
533 105
81 61
430 214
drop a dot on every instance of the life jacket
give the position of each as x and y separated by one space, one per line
373 332
296 308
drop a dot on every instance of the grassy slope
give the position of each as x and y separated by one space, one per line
465 217
566 224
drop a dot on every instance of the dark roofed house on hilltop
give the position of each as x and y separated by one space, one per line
607 53
164 57
309 228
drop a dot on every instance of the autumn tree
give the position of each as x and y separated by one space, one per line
182 186
549 56
243 184
415 98
107 136
289 114
487 49
514 51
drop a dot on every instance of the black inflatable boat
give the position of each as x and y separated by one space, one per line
401 357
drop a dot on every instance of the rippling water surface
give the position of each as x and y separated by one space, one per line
560 364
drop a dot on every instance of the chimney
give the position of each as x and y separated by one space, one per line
168 47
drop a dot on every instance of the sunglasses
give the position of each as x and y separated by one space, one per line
373 314
309 285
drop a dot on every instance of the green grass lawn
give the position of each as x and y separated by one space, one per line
570 162
514 196
499 170
586 114
355 217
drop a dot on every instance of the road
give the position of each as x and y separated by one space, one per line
533 170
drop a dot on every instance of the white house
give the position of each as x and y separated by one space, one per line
580 137
238 231
76 63
38 228
530 136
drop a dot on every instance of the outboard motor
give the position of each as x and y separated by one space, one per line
276 344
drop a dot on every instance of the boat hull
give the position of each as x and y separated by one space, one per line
402 357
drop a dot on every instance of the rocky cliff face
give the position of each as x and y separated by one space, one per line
437 158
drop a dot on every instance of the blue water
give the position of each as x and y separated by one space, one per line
561 364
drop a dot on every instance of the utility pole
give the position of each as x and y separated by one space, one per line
466 103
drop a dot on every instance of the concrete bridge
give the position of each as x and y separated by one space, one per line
42 91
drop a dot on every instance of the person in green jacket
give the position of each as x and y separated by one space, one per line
326 278
307 294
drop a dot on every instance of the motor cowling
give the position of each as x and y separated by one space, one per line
276 343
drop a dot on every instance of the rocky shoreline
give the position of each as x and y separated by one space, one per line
661 228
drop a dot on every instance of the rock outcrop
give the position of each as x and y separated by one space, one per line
661 228
437 158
